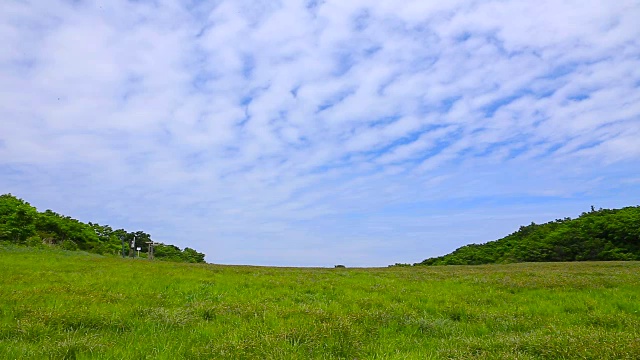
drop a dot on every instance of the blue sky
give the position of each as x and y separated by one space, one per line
314 133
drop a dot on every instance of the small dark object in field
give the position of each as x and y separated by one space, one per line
340 266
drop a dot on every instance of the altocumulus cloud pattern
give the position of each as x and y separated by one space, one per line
320 132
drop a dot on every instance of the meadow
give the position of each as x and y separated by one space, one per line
72 305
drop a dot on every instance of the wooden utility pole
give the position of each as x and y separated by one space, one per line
132 247
122 240
151 245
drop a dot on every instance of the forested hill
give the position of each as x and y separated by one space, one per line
22 224
596 235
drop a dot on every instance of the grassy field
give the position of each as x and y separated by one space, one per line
56 304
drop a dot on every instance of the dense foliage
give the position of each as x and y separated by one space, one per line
22 224
596 235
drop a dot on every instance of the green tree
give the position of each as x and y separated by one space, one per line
192 256
17 219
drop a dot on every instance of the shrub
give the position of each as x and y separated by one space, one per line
68 245
34 241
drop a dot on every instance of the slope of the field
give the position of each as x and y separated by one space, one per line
58 304
23 224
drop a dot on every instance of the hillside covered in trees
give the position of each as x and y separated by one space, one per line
596 235
23 224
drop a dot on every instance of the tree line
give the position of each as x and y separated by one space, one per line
597 235
23 224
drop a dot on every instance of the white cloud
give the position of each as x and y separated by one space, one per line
276 133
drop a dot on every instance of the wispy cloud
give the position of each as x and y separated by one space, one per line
317 132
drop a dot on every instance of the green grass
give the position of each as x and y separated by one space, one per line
57 304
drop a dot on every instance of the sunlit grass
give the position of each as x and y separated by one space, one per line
56 304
